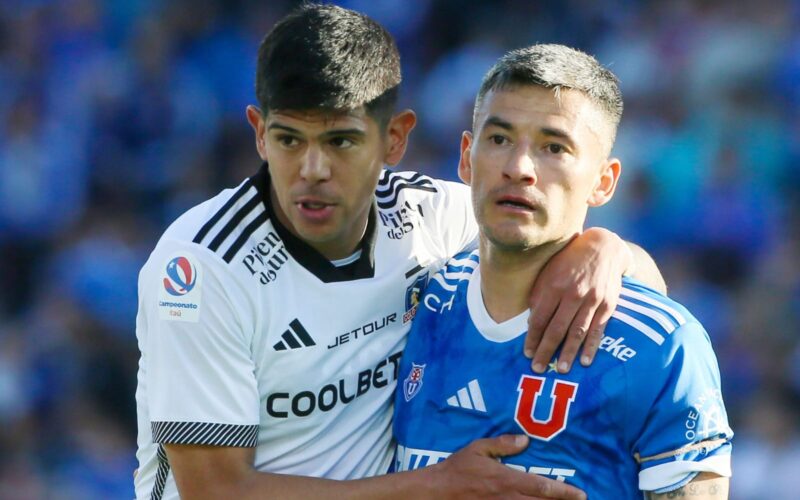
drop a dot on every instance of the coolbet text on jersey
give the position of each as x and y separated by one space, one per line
646 415
249 337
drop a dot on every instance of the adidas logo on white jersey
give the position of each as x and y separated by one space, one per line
295 337
468 397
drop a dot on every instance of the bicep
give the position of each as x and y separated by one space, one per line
705 486
202 471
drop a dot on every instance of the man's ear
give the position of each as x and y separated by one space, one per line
606 183
398 130
256 120
465 162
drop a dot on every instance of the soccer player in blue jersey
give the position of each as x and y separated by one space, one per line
648 415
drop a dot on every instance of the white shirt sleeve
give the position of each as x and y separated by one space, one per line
195 342
455 217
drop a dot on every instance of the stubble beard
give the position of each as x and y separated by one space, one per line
508 239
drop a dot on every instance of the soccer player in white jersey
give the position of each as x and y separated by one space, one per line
272 317
647 415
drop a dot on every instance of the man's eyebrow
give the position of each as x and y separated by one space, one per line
560 134
345 131
555 132
282 127
547 131
327 133
498 122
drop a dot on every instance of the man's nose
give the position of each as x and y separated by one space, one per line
316 166
521 167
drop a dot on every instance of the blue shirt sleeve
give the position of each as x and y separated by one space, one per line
684 429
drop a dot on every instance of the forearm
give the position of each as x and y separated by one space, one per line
206 472
400 486
644 268
251 484
210 472
706 486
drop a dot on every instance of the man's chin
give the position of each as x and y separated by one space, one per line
513 237
317 235
515 243
312 233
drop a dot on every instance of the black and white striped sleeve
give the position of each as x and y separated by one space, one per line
206 433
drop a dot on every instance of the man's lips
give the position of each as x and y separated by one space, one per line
315 209
313 203
517 202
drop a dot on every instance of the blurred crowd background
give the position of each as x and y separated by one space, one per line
118 115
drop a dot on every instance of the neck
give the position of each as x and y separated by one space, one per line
507 276
338 249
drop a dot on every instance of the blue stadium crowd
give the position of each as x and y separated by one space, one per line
118 115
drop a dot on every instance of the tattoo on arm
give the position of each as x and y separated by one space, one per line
704 486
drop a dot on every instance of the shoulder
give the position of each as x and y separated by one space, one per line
206 233
451 280
654 327
457 271
394 189
443 308
215 222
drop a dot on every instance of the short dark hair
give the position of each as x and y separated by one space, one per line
557 66
331 58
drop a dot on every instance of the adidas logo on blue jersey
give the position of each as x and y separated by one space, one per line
469 397
295 337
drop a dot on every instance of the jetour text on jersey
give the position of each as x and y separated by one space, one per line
363 330
344 391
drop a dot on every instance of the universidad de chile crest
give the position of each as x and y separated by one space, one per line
413 383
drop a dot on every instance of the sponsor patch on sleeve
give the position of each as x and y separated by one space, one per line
179 288
706 418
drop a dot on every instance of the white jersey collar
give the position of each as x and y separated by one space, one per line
491 330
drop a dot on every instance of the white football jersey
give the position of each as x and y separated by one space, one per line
251 338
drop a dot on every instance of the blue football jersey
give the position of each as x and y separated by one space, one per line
646 415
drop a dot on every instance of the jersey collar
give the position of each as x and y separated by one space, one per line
305 255
489 328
